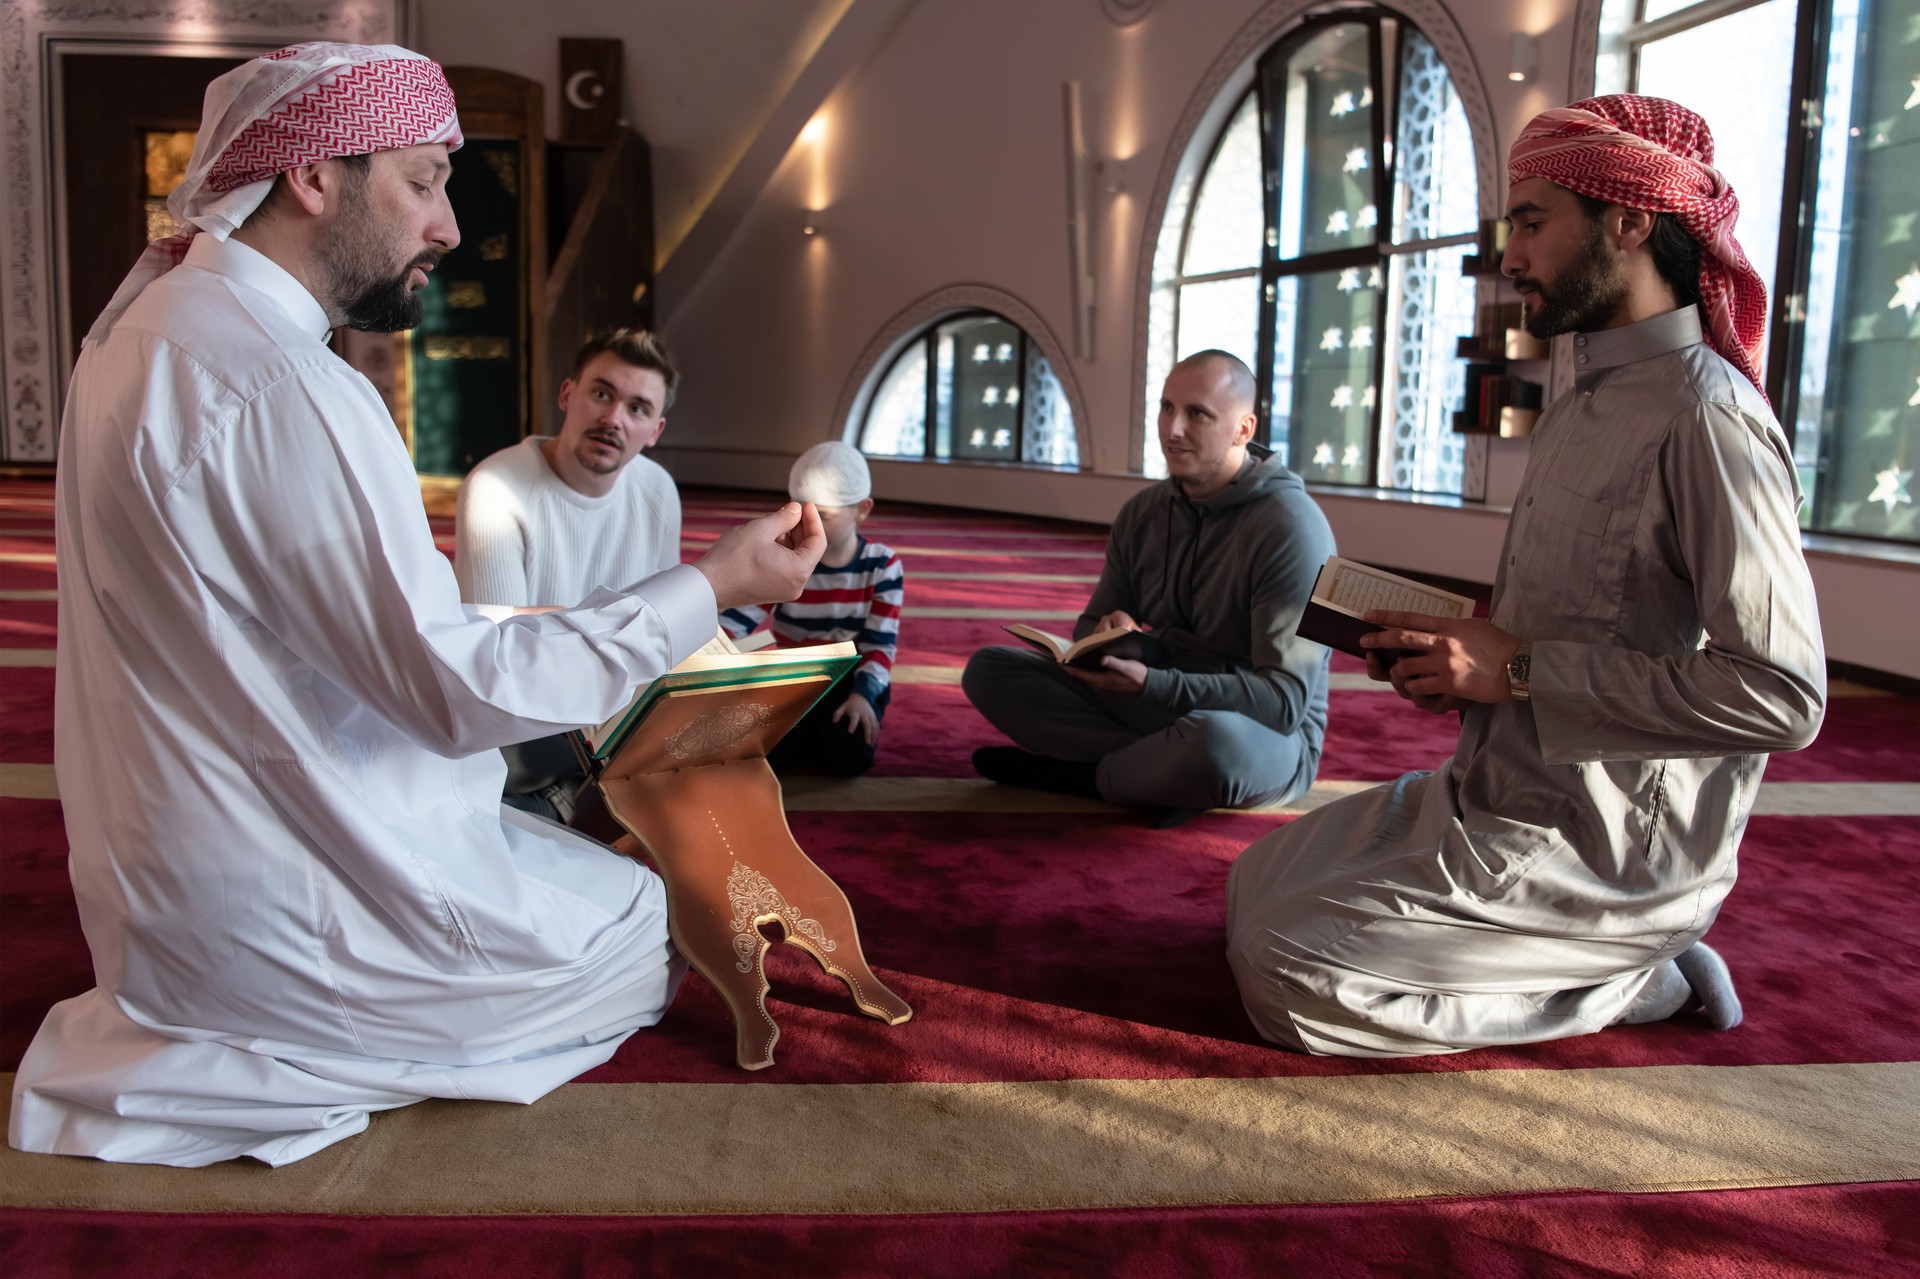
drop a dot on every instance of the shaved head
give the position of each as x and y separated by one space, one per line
1239 377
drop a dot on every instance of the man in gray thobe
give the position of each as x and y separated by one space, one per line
1653 636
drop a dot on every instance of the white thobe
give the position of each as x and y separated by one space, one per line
277 734
1574 841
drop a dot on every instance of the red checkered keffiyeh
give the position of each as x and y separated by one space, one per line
1648 153
298 105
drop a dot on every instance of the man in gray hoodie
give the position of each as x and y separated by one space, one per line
1215 563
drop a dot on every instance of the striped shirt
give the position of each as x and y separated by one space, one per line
858 601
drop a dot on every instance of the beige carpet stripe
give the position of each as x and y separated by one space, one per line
977 795
28 781
650 1149
911 673
1837 799
975 613
1074 578
26 657
947 552
27 597
26 557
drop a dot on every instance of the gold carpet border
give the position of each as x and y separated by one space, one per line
977 795
659 1149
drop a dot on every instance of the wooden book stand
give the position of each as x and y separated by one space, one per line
691 783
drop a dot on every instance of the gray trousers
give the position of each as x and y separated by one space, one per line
1146 753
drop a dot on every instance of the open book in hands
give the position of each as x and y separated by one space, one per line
1345 592
721 663
1120 641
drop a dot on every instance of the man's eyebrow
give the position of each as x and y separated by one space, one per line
438 164
1525 207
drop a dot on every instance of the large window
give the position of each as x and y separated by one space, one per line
1829 197
988 390
1323 243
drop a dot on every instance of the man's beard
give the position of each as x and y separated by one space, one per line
1585 295
370 300
590 462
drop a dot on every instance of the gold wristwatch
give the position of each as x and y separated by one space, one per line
1519 670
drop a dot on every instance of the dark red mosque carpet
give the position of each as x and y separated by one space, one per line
1078 1091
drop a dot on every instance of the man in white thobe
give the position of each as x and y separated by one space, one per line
1653 636
277 727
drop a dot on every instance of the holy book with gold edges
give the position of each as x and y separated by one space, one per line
801 675
1345 592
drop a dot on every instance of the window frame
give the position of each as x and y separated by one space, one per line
928 339
1800 157
1272 267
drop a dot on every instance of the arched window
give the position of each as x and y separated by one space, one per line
986 387
1828 198
1323 244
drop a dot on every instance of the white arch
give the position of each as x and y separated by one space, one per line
1226 81
894 336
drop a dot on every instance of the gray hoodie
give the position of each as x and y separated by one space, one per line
1223 582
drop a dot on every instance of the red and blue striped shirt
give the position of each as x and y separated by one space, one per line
858 601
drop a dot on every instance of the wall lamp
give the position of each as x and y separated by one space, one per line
1524 63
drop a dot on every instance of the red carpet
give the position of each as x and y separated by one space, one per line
1081 946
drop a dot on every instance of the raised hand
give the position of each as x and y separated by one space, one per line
765 561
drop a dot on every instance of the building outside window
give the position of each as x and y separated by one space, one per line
1322 243
1841 257
987 389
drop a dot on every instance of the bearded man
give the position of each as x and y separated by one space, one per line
277 727
1653 636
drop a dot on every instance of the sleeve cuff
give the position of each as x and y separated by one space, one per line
684 600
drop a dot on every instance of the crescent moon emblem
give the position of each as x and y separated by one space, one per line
577 90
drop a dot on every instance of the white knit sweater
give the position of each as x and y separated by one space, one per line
523 537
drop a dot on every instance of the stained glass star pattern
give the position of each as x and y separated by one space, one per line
1369 398
1334 338
1349 280
1367 217
1913 99
1342 397
1890 488
1362 335
1356 160
1337 223
1906 292
1351 457
1342 104
1323 455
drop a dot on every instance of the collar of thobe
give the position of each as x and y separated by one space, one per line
1631 343
257 271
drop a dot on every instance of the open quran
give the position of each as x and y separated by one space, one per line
680 777
1346 591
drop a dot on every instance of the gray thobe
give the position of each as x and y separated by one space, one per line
1526 889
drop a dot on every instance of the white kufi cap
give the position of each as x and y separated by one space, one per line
830 474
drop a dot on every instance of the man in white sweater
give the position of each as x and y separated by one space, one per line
550 519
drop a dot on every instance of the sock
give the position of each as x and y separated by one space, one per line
1665 994
1011 766
1712 984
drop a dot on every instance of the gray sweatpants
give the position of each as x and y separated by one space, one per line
1146 753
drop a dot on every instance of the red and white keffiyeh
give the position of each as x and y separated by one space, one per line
297 105
1648 153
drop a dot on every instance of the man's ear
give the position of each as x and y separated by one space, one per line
865 509
1243 433
1635 226
310 185
566 393
659 428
